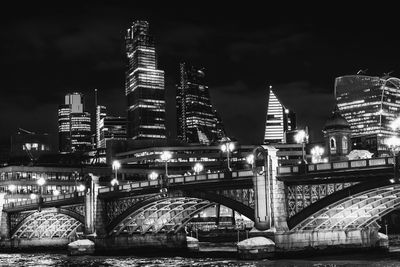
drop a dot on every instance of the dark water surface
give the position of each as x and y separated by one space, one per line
60 259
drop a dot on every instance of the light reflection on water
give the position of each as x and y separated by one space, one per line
44 259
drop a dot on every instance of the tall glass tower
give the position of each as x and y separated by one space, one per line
369 104
197 121
279 120
74 126
144 86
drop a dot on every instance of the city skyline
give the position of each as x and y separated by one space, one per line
292 52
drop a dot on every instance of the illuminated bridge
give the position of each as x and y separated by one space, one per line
333 204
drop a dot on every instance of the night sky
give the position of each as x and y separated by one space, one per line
48 51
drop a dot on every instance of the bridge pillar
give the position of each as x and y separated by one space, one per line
4 226
270 208
4 220
92 185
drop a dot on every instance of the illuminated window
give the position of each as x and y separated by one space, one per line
332 145
344 144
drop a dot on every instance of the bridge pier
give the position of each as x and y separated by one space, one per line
91 204
365 238
270 206
4 226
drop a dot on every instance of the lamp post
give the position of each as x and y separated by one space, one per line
228 147
198 167
166 156
41 181
393 143
12 188
301 138
56 192
316 153
115 166
81 188
153 176
250 160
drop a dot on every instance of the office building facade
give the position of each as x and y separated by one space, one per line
101 112
369 104
197 120
112 128
74 125
279 120
144 86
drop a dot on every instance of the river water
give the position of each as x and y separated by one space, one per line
60 259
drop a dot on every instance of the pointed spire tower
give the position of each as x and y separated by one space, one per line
279 120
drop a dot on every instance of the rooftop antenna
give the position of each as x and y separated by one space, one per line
95 98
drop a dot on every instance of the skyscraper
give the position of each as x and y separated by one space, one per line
279 120
144 85
369 104
101 112
74 125
197 120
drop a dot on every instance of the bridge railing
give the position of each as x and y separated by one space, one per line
340 165
45 200
179 180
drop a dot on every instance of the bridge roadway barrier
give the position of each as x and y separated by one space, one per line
336 166
210 177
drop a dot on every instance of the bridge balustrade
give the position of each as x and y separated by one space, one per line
45 200
340 165
178 180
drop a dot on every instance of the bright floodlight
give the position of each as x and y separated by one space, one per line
198 167
81 188
231 146
114 182
116 165
32 196
301 136
153 176
227 147
395 124
12 188
316 153
250 159
41 181
393 142
166 155
56 192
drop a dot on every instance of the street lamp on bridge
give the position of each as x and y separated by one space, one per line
12 188
228 147
301 138
198 167
316 153
166 156
250 160
115 166
393 143
153 176
41 182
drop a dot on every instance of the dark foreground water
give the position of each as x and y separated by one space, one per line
55 259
